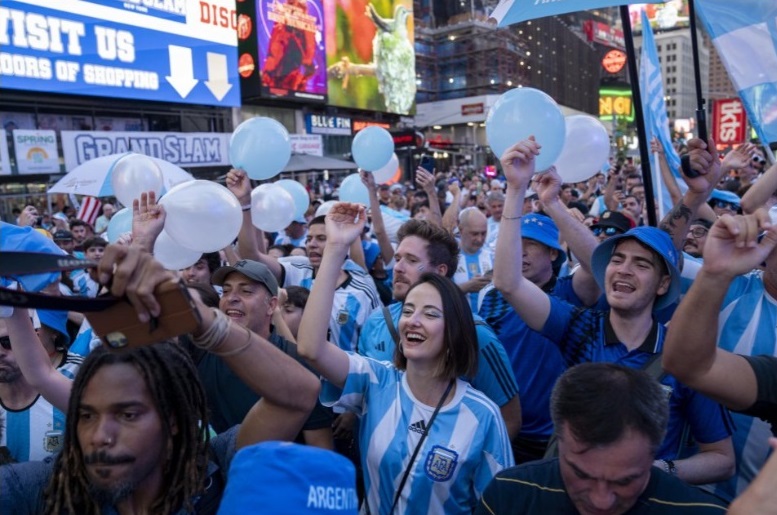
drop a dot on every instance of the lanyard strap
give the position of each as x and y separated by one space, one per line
23 263
419 444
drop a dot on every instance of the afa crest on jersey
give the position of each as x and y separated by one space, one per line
440 463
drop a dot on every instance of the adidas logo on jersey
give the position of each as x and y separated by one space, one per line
418 427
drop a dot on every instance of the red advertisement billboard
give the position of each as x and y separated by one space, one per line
729 122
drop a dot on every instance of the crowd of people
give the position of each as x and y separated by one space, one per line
459 345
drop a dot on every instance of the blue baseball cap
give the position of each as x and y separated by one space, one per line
655 239
56 320
542 229
726 196
285 478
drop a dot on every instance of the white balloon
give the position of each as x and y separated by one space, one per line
386 173
202 215
134 174
324 208
586 149
272 208
172 255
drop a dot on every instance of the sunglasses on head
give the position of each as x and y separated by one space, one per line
698 232
722 204
5 342
608 231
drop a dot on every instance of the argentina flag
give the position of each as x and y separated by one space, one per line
509 12
654 109
745 35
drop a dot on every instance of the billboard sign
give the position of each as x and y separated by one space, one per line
5 161
292 58
615 103
729 122
189 149
36 151
370 55
169 51
324 124
311 144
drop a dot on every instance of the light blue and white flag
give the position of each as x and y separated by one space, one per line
509 12
654 113
744 33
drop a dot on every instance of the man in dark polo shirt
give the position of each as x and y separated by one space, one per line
610 420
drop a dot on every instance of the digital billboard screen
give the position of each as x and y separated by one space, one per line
370 55
173 51
292 58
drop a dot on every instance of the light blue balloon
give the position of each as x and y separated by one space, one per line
299 194
372 148
260 146
353 190
522 112
120 223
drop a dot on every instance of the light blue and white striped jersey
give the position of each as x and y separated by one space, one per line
472 265
466 446
37 431
748 326
354 300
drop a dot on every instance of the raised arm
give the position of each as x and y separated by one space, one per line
691 354
678 220
579 238
344 223
378 227
288 391
250 244
451 217
425 179
666 174
34 362
528 300
762 190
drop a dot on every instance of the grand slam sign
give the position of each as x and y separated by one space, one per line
164 50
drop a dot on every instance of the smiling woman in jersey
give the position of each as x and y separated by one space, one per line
429 441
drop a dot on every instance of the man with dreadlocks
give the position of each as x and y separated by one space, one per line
136 439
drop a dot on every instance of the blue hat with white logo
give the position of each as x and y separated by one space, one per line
542 229
285 478
656 240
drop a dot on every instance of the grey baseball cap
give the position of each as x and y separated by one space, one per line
254 270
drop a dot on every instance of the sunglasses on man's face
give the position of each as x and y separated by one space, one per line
722 204
608 231
5 342
758 159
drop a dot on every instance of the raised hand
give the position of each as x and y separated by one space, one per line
344 223
732 246
148 220
425 180
738 158
655 146
240 185
368 179
704 162
28 216
548 185
518 162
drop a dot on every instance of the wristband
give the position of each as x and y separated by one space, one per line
246 207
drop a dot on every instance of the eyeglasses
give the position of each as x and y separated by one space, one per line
722 204
5 342
608 231
698 232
